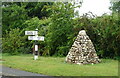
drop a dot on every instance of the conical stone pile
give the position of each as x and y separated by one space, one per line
82 51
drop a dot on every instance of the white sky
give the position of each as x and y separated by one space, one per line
97 7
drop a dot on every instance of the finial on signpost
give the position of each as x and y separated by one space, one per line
36 29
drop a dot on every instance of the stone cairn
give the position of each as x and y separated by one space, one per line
82 51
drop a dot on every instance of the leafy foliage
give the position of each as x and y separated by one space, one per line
60 25
60 29
42 26
39 9
115 6
13 16
103 31
13 41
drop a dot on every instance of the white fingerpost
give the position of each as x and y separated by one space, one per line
36 38
36 47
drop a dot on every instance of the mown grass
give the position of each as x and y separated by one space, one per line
55 66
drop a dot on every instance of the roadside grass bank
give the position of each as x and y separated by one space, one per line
56 66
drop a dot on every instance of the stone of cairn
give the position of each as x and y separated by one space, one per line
82 51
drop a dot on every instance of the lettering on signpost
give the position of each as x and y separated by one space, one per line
31 32
41 38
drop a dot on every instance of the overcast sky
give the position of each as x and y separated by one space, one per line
97 7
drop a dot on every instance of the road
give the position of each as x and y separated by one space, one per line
6 71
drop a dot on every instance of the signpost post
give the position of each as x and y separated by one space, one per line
36 38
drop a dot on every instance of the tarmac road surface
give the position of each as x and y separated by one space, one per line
6 71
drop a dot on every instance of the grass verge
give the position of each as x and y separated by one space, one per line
55 66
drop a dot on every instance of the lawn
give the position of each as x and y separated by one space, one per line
55 66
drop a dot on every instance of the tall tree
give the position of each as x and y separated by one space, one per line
13 16
61 29
39 9
115 6
16 13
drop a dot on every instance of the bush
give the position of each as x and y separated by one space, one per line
104 32
12 41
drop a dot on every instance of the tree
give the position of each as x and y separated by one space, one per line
13 16
16 13
39 9
60 31
115 6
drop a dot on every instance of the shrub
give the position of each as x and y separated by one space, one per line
12 41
